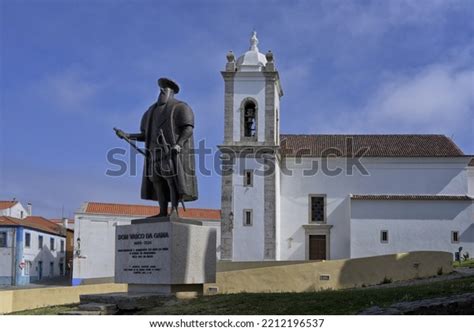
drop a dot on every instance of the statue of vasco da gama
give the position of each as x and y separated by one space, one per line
169 169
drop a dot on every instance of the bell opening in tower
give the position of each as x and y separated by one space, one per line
249 119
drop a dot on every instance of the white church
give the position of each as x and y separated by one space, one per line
323 197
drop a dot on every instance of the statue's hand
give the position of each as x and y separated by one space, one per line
121 134
176 148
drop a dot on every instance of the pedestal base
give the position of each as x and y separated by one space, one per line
165 256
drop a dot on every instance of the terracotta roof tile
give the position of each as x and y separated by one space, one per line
390 145
144 210
33 222
410 197
7 204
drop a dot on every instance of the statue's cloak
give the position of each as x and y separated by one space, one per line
171 117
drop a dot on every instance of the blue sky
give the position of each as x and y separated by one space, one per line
72 70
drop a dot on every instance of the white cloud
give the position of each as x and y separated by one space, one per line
68 90
439 98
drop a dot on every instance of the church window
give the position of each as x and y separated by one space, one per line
248 217
317 209
454 237
250 124
384 236
248 178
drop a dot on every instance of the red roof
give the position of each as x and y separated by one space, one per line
7 204
33 222
143 210
376 145
60 220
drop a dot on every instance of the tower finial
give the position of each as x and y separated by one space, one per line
254 41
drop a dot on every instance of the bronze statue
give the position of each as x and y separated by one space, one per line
169 169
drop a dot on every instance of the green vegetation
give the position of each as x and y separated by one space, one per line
310 303
53 310
465 263
314 303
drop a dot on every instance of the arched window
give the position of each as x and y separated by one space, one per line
250 123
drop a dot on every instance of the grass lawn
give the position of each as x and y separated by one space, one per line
310 303
314 303
53 310
464 264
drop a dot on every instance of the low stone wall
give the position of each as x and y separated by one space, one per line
304 276
25 299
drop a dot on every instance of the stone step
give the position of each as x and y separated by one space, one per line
125 301
108 309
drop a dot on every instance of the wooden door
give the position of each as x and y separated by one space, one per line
317 247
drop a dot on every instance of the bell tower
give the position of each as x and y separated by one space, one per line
250 148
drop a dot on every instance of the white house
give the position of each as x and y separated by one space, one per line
94 236
31 249
300 197
14 209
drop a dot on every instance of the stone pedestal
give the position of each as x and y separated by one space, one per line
165 256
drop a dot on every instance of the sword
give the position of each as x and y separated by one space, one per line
120 134
168 150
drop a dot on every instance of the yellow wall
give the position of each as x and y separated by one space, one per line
17 300
281 276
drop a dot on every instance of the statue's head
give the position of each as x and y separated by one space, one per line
168 88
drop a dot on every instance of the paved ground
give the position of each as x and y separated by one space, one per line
46 283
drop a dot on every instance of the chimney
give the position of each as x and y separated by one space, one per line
65 221
30 209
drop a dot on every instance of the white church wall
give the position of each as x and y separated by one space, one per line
411 226
470 176
249 84
248 243
386 176
277 212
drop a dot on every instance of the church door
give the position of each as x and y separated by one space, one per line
317 247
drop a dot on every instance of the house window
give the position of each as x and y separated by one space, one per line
3 239
62 246
27 239
51 269
40 242
51 244
454 237
248 178
21 214
317 209
384 236
248 217
250 123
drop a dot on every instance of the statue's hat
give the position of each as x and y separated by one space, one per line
164 82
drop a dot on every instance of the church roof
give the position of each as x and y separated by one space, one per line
376 145
252 60
406 197
116 209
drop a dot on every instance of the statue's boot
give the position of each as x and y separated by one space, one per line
174 213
